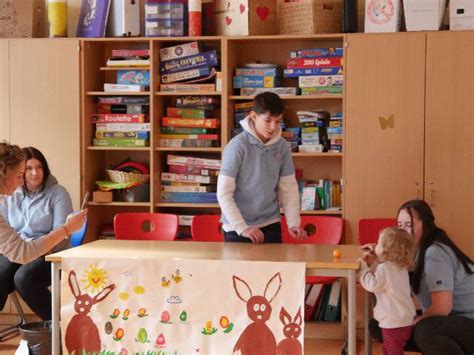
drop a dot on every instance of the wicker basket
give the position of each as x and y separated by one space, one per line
118 176
311 16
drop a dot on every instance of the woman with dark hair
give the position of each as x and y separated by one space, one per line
40 207
442 282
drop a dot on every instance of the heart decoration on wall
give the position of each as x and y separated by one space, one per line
228 20
242 8
262 12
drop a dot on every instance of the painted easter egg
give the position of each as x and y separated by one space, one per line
126 314
108 328
142 335
165 317
142 312
160 340
115 313
119 333
224 322
139 290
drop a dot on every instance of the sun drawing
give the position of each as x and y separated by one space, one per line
95 278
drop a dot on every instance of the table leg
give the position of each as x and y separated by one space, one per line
367 338
56 306
351 318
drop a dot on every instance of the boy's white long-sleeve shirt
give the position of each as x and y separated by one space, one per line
390 284
287 192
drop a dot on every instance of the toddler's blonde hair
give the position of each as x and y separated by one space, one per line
398 246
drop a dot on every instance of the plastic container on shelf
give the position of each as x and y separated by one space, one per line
424 15
166 18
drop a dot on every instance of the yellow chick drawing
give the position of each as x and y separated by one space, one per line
165 282
177 277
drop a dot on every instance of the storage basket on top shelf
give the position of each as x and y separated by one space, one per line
311 17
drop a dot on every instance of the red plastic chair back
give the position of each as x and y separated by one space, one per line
369 228
207 228
320 230
145 226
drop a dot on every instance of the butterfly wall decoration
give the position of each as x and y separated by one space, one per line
387 122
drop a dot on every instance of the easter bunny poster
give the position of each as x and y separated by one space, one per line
176 307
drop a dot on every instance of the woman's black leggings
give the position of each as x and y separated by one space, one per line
438 335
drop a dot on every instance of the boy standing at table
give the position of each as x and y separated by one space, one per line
257 175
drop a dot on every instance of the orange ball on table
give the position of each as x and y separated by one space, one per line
336 253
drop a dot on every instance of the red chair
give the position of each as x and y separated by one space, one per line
320 230
145 226
369 230
207 228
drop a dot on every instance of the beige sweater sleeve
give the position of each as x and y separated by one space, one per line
17 250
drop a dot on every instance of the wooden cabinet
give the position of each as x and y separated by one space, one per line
449 149
385 81
44 104
426 81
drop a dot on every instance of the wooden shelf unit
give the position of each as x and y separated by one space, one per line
234 52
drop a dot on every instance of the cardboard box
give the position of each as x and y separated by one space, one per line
382 16
424 15
22 18
461 15
247 17
102 196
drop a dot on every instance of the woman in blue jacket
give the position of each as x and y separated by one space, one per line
36 209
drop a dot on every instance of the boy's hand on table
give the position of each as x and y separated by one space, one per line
297 232
254 234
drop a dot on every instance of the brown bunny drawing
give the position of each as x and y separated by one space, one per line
82 334
291 330
257 338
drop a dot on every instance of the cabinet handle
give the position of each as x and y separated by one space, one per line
431 193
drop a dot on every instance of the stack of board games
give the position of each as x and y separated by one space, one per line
319 70
122 121
241 110
190 179
130 80
184 68
269 77
335 132
293 137
255 78
313 131
191 122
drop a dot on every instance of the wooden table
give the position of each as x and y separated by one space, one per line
318 258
